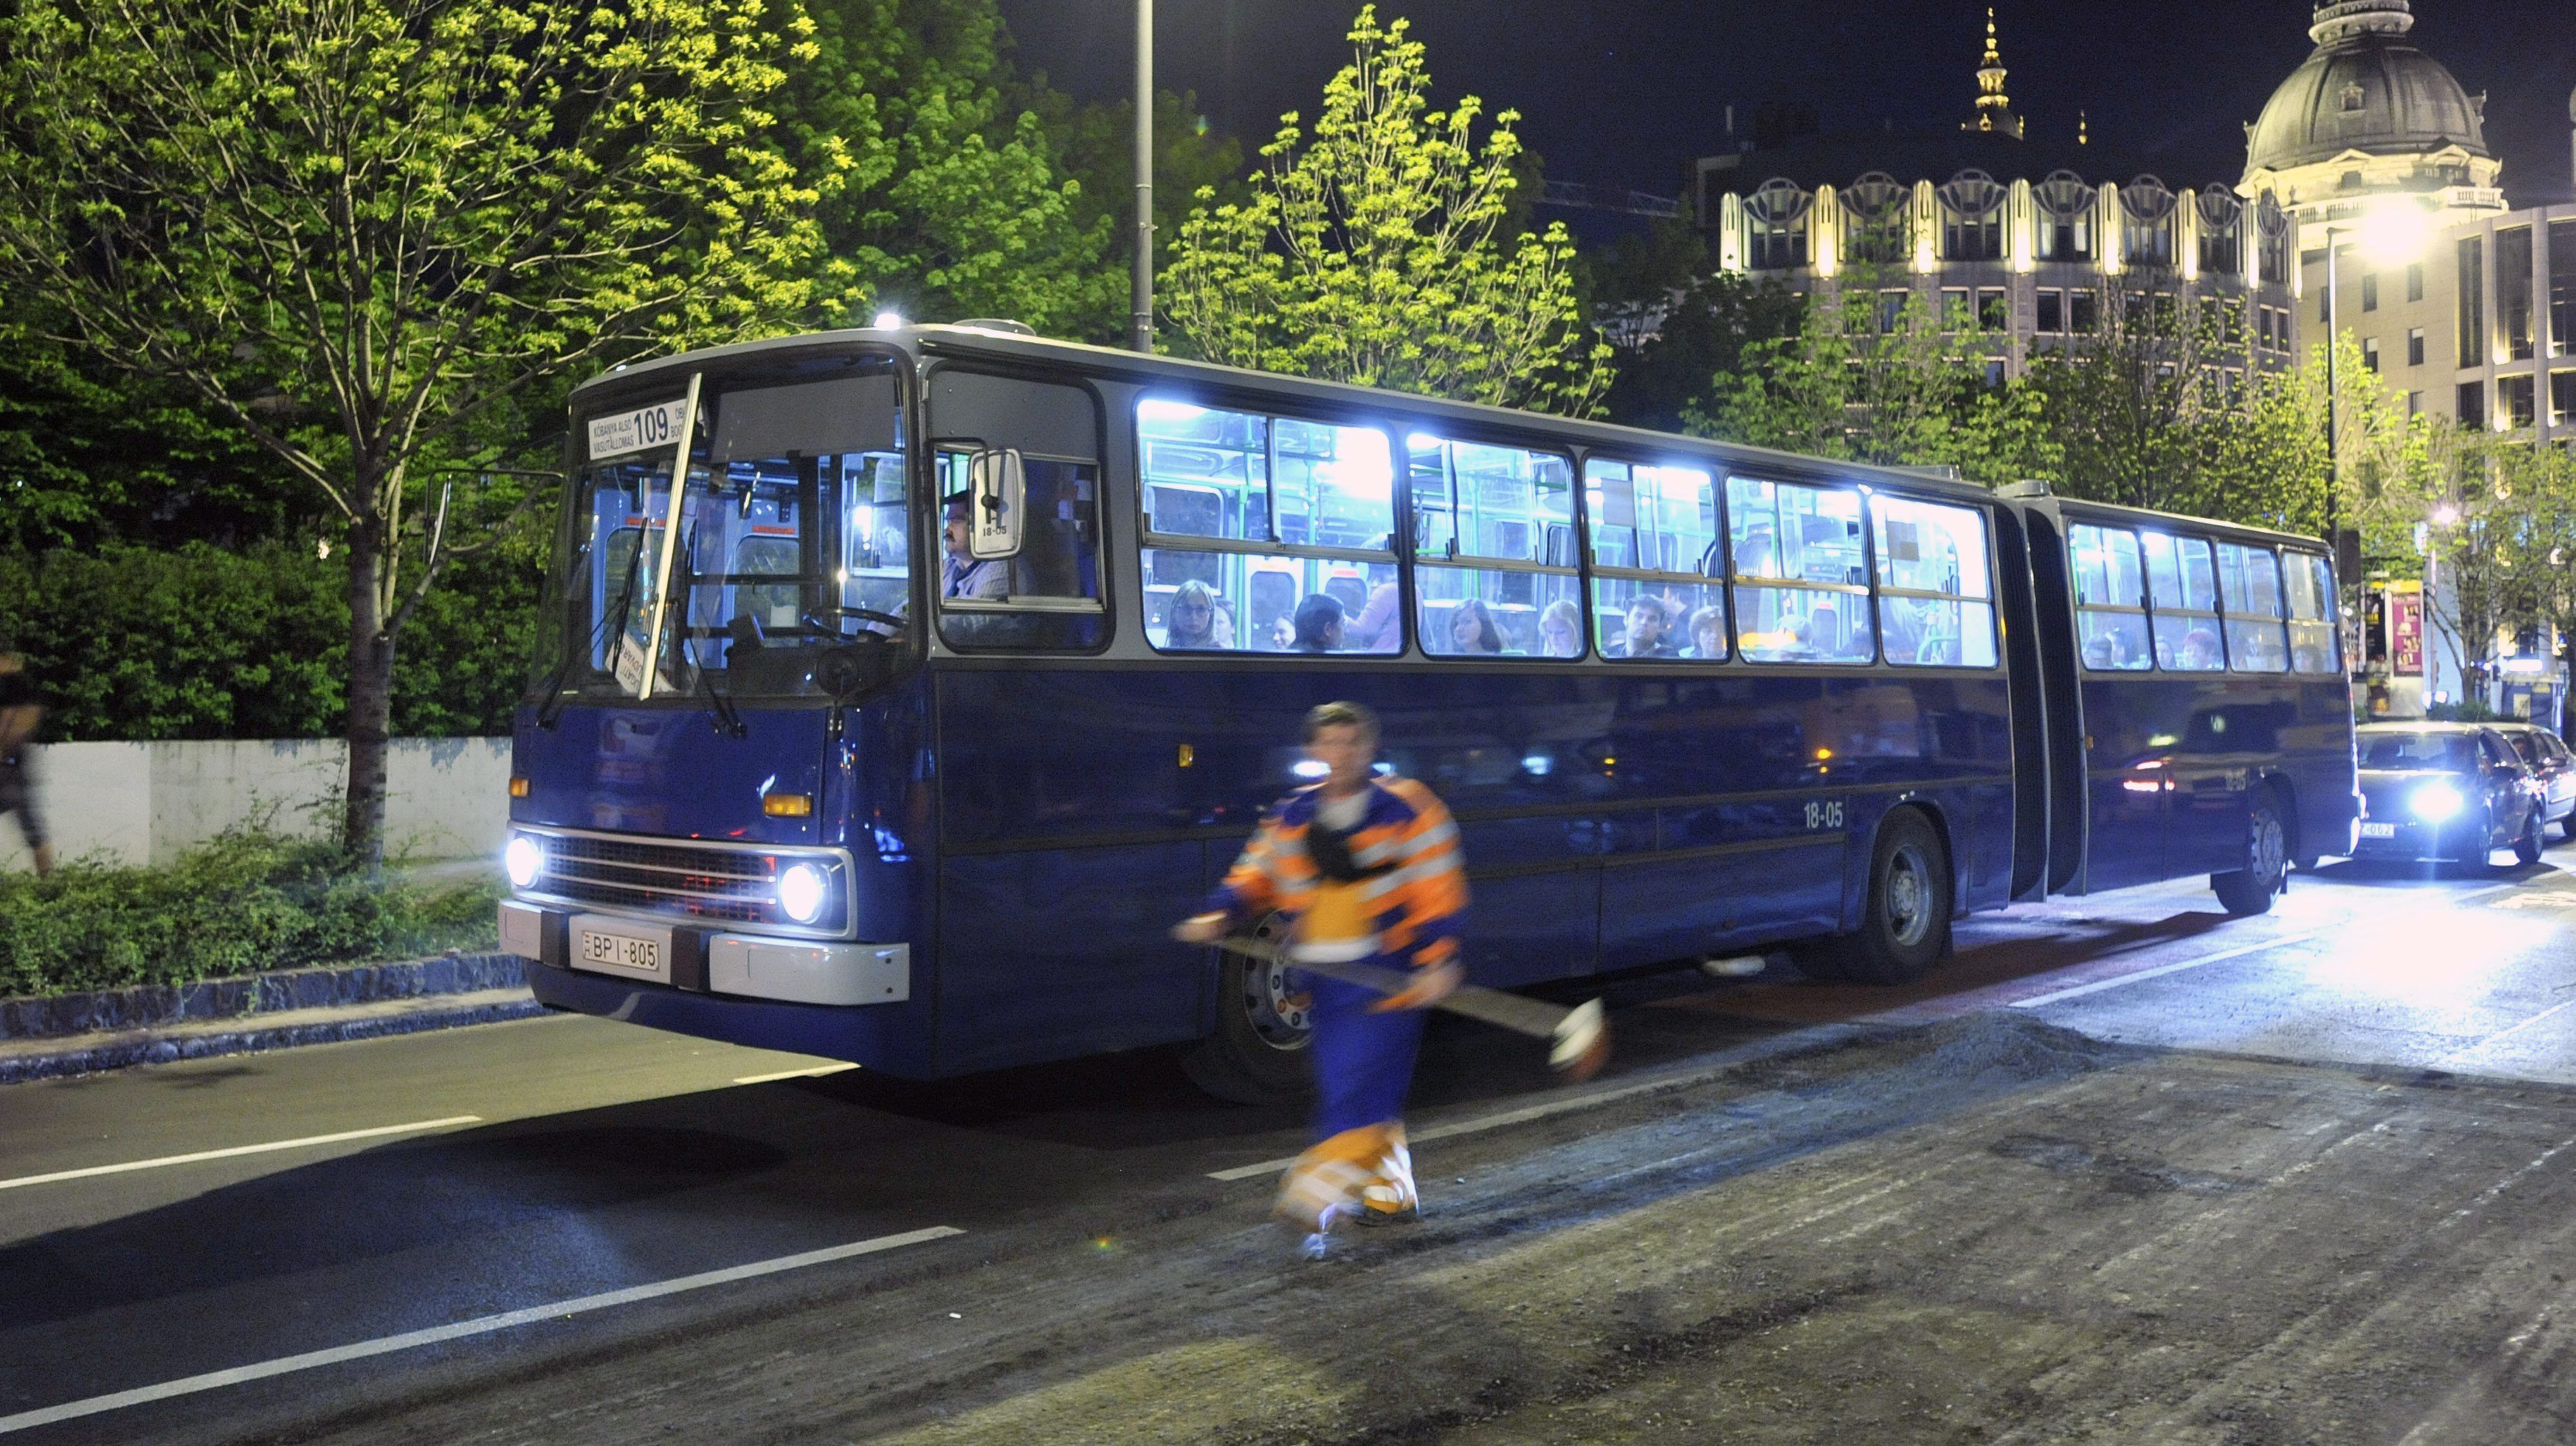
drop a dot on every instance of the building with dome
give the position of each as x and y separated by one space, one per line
2033 239
2463 304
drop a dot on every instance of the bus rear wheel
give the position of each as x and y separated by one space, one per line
1905 924
1258 1055
2251 889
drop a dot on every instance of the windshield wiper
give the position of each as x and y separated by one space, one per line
728 720
551 708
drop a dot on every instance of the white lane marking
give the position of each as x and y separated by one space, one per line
810 1072
1488 1122
225 1154
480 1325
2511 1030
2098 985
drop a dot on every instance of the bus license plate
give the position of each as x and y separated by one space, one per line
620 951
2379 830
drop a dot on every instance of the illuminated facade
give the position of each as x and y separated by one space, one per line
2034 241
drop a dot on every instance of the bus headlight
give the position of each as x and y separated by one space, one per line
2435 802
800 892
524 860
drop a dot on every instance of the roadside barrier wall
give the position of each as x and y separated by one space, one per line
146 803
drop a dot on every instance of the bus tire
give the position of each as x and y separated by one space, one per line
2250 890
1905 921
1258 1055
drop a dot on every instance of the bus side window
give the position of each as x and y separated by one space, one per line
1484 586
2110 598
2313 641
1048 595
2182 584
1250 521
1800 593
1654 540
2250 588
1935 591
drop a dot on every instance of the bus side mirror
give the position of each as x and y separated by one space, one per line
998 488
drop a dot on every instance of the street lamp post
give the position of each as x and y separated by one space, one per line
1141 318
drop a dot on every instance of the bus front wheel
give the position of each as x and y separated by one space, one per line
1258 1055
1905 924
2251 889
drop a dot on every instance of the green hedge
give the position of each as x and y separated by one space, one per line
241 904
133 643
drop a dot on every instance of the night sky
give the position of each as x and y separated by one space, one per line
1624 92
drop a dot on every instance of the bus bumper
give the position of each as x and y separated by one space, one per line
750 966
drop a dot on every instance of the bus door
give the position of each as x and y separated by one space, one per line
2026 684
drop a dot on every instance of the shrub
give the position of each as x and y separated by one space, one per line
241 904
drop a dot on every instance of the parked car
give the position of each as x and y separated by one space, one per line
2546 755
2445 791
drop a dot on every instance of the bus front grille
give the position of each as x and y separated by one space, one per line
731 885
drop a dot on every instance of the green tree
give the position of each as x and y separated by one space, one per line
1672 323
1377 251
376 235
1870 375
1096 146
946 199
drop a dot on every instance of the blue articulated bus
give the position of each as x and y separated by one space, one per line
899 721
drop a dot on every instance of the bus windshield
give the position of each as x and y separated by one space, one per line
794 535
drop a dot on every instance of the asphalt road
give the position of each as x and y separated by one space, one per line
2124 1170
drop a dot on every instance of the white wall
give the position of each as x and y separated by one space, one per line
148 802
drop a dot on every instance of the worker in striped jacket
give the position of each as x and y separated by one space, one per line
1366 869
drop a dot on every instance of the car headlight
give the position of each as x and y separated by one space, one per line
2435 802
524 859
800 892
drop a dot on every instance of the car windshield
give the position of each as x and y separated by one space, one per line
2454 752
794 534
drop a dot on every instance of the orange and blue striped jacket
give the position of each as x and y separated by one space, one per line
1415 896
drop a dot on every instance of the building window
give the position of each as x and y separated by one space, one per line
2220 216
2370 291
2414 404
2562 399
1994 373
2513 291
2052 310
2370 353
2065 218
2325 300
2514 401
2414 346
1954 309
2147 223
1972 218
2471 408
1775 226
2083 312
2415 281
1874 232
1994 313
2272 241
2472 304
1891 309
2562 288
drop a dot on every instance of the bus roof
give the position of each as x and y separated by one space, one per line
978 342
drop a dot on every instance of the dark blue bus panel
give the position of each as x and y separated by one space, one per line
900 722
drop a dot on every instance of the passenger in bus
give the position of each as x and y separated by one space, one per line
1192 621
1283 632
964 575
1471 629
1377 629
1647 622
2200 650
1319 623
1366 869
1707 634
1560 630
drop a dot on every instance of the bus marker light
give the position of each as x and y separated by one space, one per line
788 805
1188 755
519 786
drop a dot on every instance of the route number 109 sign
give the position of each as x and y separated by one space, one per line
645 427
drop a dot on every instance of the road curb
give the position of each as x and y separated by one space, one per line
147 1006
88 1053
